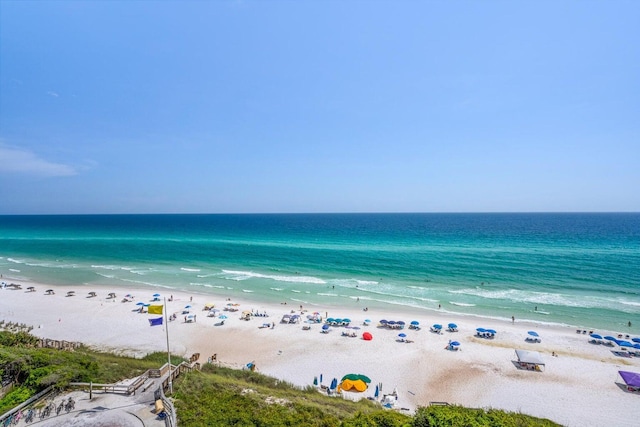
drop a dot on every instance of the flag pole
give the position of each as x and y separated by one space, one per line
166 328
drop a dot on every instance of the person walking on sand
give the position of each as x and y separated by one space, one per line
513 319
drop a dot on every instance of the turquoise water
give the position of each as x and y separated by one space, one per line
573 269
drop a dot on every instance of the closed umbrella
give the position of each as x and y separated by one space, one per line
334 383
377 392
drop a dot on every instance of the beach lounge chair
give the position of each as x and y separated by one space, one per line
71 293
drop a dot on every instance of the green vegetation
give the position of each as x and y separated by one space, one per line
222 396
34 369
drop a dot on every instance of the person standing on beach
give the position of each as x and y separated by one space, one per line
513 319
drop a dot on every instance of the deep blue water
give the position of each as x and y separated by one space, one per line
576 269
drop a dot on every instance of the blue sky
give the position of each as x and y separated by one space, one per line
319 106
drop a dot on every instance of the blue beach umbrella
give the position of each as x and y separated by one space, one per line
622 343
384 322
377 392
635 340
315 380
636 346
454 343
610 338
156 295
596 336
491 331
369 321
140 303
452 325
346 320
187 306
330 319
415 322
437 326
334 383
533 333
325 327
402 335
481 330
222 316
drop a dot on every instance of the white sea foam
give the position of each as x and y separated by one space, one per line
108 276
247 291
326 295
462 304
277 289
193 270
244 275
295 290
14 270
15 261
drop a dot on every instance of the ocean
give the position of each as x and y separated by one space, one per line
575 269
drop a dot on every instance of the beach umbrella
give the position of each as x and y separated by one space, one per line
315 380
384 322
334 383
402 335
320 378
222 316
330 319
491 331
454 343
187 306
533 333
377 392
367 320
437 326
391 322
636 346
635 340
400 322
140 303
146 305
415 323
622 343
156 295
346 320
452 325
367 336
481 330
610 338
596 336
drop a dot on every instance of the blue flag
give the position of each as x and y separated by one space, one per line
155 322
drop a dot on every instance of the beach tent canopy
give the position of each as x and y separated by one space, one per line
531 357
632 379
367 336
354 382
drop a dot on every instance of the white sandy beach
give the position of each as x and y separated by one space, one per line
579 387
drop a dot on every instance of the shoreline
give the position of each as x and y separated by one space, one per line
481 374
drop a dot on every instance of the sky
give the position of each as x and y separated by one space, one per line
319 106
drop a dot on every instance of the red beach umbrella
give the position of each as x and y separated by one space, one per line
367 336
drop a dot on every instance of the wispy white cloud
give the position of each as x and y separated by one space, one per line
18 160
52 93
